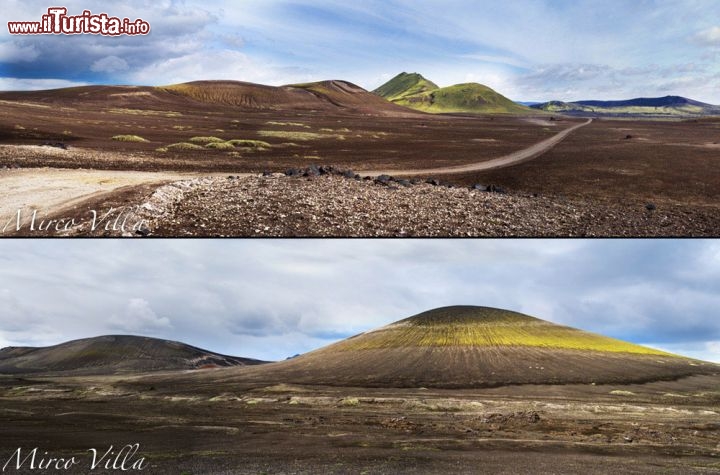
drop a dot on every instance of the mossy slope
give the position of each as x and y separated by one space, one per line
416 92
478 347
404 85
483 326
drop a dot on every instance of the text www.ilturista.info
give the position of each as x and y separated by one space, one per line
57 22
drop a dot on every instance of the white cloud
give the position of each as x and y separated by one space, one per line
215 64
701 350
109 64
12 52
711 36
138 316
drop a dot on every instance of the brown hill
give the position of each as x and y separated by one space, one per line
336 96
113 354
318 96
479 347
139 97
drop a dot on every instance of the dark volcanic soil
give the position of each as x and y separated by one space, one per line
202 428
674 163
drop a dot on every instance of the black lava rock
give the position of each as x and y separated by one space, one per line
384 179
55 144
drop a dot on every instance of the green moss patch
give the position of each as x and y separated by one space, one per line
249 143
129 138
206 140
184 146
220 146
291 135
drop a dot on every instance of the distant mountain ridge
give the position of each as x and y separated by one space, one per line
416 92
668 106
113 354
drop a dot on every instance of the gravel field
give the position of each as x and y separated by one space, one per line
335 206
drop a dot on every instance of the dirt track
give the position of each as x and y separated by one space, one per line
510 159
50 190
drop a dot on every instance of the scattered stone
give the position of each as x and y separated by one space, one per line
433 182
479 187
496 189
144 231
312 170
384 179
533 417
55 145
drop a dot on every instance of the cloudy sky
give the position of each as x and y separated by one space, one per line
526 49
273 299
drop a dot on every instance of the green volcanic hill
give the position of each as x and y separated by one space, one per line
113 354
669 106
404 85
479 347
416 92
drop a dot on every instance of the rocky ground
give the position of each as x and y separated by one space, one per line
323 202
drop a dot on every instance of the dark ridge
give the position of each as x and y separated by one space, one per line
114 354
466 314
666 101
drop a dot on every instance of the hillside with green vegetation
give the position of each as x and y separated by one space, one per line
416 92
465 346
482 326
404 85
